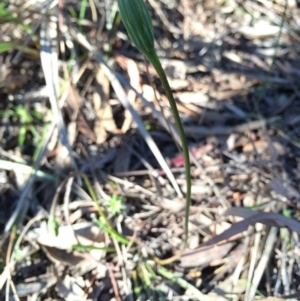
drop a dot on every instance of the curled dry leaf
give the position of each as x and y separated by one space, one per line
251 218
63 257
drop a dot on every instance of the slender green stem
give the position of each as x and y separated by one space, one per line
136 18
183 283
153 58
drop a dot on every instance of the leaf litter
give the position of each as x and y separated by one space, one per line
234 71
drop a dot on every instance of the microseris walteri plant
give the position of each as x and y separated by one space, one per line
136 18
137 21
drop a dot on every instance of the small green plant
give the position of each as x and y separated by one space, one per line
115 204
27 119
6 16
136 19
53 226
102 221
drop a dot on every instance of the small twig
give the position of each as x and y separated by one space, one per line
66 203
227 130
8 259
13 288
26 228
254 256
272 236
30 182
114 284
49 61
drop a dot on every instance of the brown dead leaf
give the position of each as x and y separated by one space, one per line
73 101
84 128
204 255
259 62
78 120
262 145
104 122
63 257
251 218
